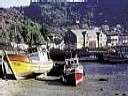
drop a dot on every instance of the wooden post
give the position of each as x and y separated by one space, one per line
8 63
3 67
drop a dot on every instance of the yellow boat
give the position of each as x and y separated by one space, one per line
35 63
19 65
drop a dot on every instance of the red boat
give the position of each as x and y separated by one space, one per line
73 72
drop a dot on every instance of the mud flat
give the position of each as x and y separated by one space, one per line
90 87
100 80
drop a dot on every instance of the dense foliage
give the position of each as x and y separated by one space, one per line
14 27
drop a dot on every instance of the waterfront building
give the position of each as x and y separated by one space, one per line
112 39
117 39
56 46
105 27
95 38
91 38
56 42
70 40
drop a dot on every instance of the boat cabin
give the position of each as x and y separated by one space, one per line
38 54
72 62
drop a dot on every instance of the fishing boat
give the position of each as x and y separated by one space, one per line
40 58
114 56
17 65
73 72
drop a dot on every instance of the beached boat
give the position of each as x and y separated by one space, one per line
73 72
40 58
17 65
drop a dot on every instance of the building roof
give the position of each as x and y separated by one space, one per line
117 34
78 32
92 32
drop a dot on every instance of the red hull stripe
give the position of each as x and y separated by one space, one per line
78 76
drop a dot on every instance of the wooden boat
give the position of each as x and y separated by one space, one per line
114 59
73 72
113 56
18 65
40 58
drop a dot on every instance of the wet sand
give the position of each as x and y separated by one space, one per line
100 80
92 86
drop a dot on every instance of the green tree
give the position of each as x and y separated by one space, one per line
11 36
24 33
44 32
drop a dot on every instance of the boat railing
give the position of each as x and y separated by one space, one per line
72 63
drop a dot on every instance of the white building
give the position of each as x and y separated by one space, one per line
57 46
105 27
117 39
91 39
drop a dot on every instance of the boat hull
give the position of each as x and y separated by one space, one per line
43 68
18 65
21 69
114 59
74 77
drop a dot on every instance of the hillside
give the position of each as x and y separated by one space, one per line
14 27
56 14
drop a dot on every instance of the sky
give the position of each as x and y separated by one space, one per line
11 3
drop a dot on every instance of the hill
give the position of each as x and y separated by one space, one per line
63 14
15 27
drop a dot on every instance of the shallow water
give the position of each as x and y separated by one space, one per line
112 70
